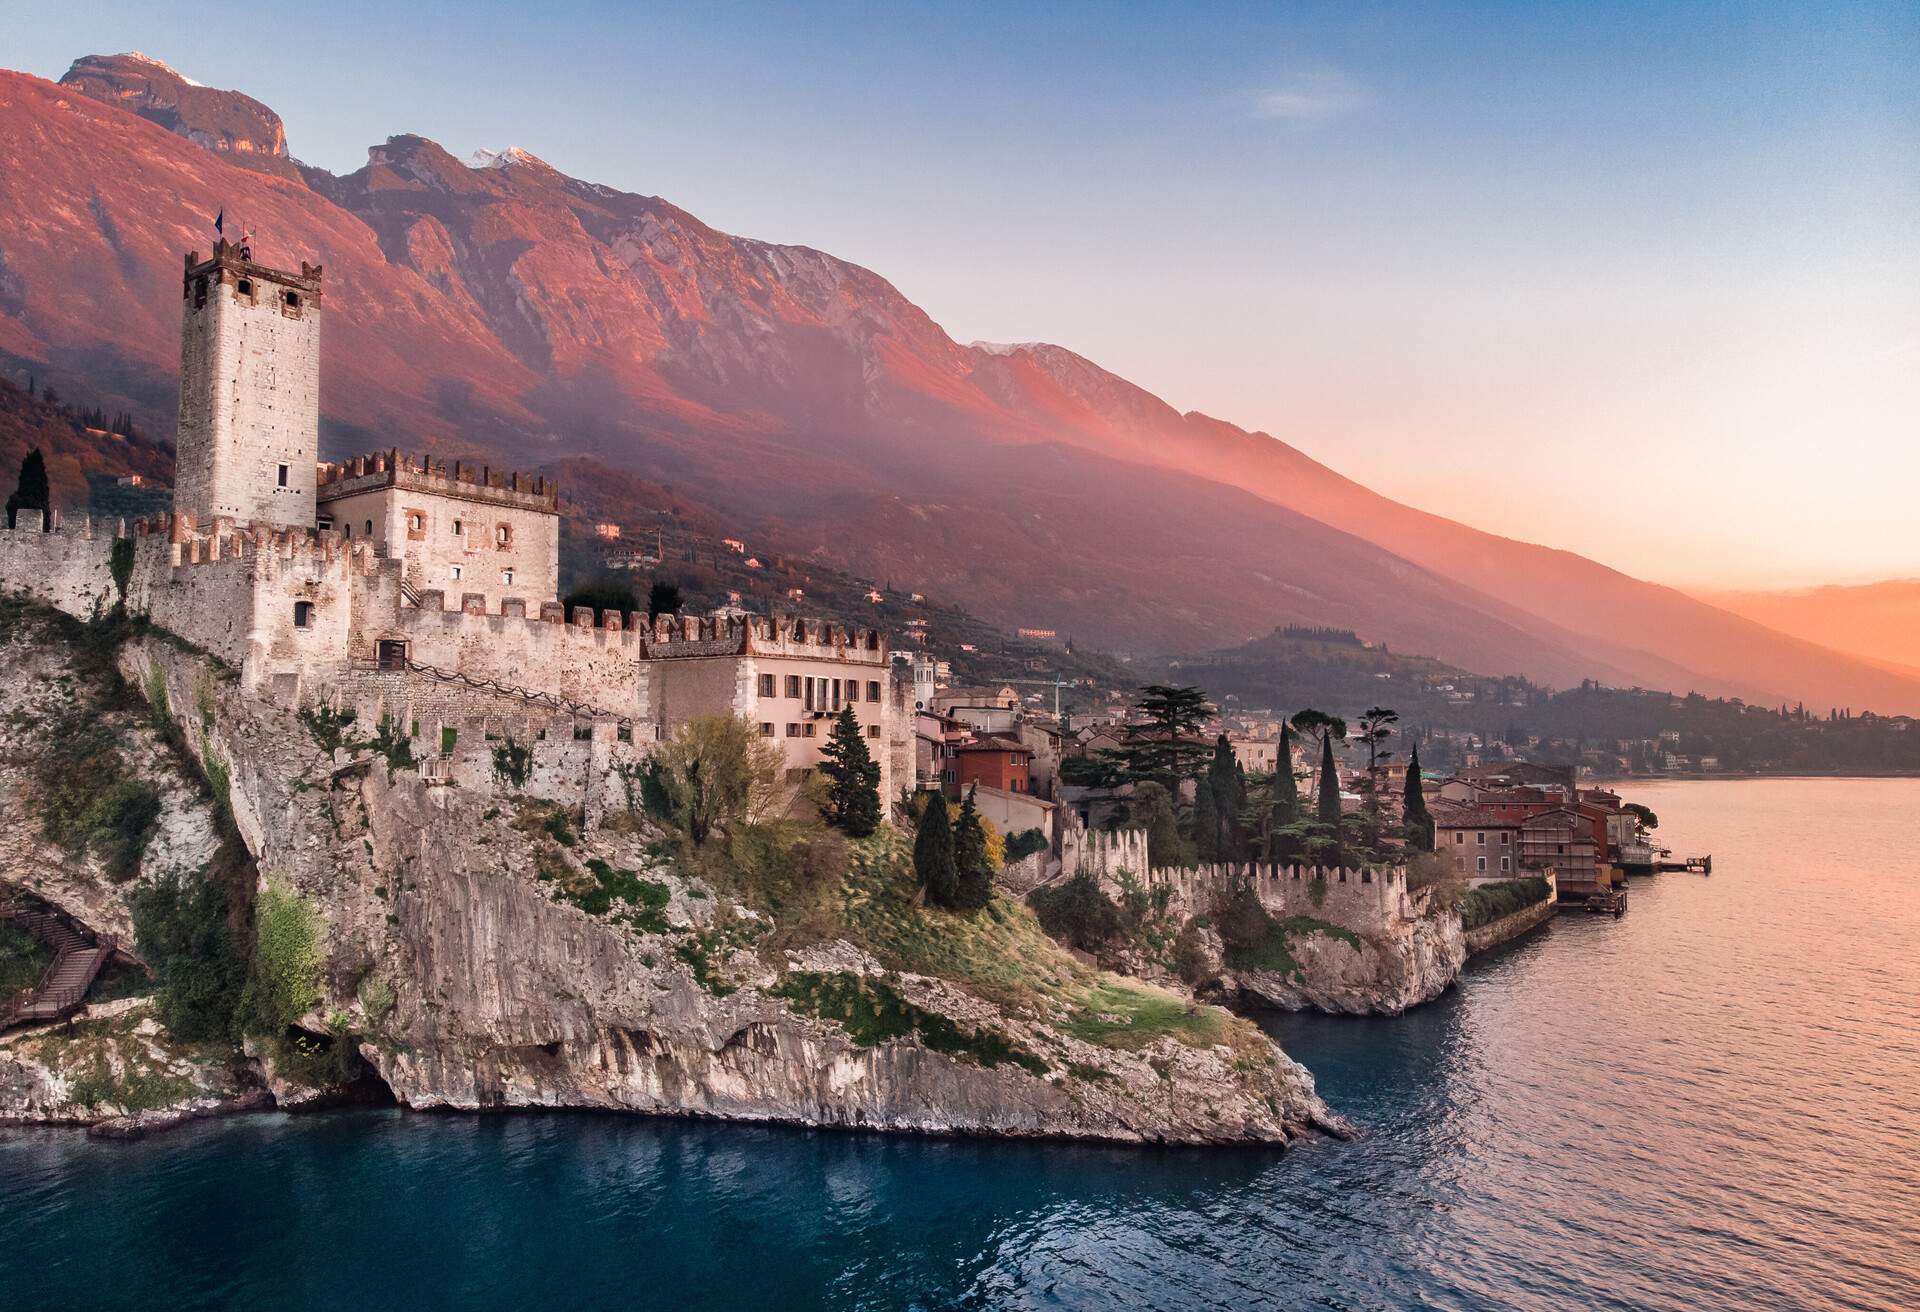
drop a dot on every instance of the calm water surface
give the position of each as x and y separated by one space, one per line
1713 1103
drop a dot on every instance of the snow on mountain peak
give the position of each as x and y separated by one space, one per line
499 159
162 65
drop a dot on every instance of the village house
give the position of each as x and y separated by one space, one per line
993 761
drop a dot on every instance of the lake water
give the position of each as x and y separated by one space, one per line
1711 1103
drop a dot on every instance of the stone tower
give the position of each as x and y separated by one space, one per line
249 391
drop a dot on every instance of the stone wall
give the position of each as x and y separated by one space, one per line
597 669
1366 901
1510 927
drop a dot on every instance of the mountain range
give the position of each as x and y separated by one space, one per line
500 309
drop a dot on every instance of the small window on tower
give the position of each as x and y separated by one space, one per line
293 300
503 535
459 528
506 577
283 475
302 614
199 292
244 287
369 528
456 573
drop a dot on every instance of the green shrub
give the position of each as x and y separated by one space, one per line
513 763
182 926
647 897
1024 844
285 981
873 1012
1490 902
1078 912
24 958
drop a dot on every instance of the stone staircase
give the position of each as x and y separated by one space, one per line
79 957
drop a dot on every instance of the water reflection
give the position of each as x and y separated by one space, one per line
1710 1104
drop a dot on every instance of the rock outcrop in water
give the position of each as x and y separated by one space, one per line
1380 975
473 948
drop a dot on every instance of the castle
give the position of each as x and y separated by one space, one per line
420 591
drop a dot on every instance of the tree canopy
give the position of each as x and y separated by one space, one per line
852 802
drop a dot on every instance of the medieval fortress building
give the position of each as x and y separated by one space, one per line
417 591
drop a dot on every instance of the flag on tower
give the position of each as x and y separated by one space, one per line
220 221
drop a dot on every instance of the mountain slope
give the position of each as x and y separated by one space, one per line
1878 622
510 311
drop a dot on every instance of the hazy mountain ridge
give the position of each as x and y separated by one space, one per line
514 312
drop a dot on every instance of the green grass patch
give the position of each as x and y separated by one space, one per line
873 1012
1129 1016
647 898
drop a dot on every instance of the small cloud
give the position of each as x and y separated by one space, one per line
1310 98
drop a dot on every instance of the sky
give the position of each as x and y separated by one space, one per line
1638 280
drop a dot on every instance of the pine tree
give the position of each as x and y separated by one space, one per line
1162 748
33 492
1415 822
971 862
933 858
853 779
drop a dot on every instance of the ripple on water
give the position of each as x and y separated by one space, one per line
1709 1104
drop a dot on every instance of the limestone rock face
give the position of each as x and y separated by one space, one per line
1381 976
465 981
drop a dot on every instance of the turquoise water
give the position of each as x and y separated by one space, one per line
1713 1103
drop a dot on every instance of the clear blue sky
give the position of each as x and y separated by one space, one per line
1663 256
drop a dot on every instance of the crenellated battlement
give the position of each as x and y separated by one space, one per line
679 636
460 479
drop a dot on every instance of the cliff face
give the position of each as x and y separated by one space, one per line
1380 975
456 945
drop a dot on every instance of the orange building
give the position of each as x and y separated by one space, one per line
994 762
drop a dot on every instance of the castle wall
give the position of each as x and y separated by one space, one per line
249 393
68 569
597 668
1368 902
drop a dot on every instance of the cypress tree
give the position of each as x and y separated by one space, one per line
933 854
975 868
1286 789
1329 806
1414 819
853 779
33 492
1206 821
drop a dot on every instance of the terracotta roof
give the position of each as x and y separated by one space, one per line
1449 816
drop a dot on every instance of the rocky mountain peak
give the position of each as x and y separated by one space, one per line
228 123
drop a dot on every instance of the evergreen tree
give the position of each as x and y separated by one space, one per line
1415 821
1229 788
1163 747
1206 821
33 492
975 868
853 779
1153 812
933 857
1328 810
663 598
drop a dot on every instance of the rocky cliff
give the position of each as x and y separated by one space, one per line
1380 975
475 948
